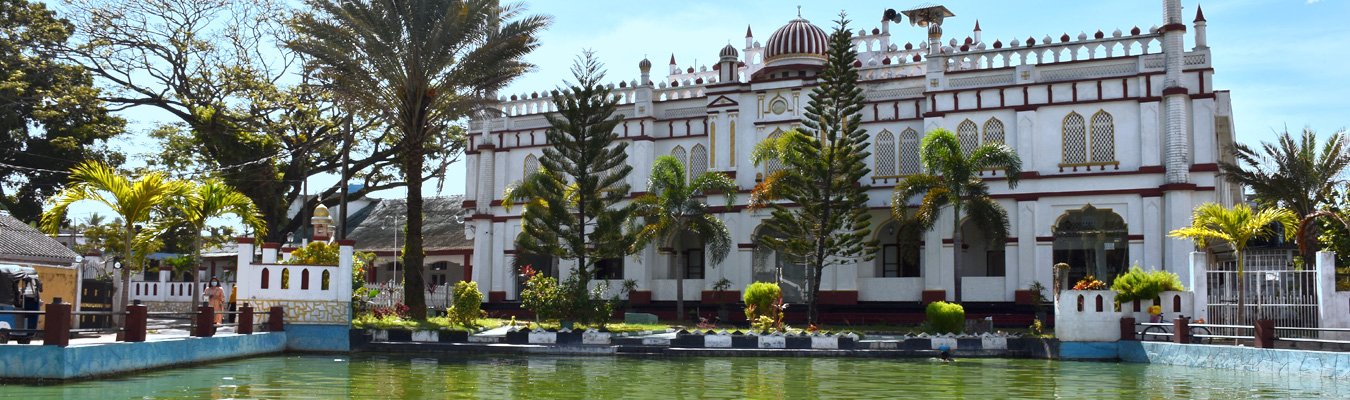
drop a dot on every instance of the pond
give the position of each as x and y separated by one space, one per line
399 376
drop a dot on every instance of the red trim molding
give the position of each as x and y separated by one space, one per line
1175 90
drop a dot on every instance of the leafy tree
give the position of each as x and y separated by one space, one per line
572 205
1236 226
136 202
674 206
1299 174
201 202
237 106
418 65
951 179
51 117
108 239
822 165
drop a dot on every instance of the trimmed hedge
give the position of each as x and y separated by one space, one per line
946 317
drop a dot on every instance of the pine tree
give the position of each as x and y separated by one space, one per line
822 164
571 204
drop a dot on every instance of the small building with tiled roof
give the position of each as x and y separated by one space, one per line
24 245
448 251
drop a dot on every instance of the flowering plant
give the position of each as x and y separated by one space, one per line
1155 310
1089 283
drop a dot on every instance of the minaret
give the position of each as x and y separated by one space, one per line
977 32
749 38
1201 42
642 93
674 69
1177 153
322 223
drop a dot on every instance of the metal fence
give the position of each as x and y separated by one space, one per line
391 293
1273 288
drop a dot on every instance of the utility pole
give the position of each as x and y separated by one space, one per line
342 198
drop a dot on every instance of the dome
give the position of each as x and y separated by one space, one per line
799 38
729 52
645 65
320 211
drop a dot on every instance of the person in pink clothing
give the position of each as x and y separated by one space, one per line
215 297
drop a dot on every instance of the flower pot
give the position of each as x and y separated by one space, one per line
640 297
721 296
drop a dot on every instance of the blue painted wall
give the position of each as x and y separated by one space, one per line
322 338
1319 363
51 362
1089 351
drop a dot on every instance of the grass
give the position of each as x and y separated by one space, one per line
615 327
368 321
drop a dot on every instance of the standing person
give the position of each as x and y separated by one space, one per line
215 296
234 290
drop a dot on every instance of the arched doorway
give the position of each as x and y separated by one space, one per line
899 247
770 265
980 256
1092 241
686 255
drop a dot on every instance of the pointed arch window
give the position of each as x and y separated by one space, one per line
531 164
1102 137
969 135
1075 139
773 165
909 152
885 155
698 161
993 131
679 154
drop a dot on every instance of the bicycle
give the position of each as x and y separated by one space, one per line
1163 333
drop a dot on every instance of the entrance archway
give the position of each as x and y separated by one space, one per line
770 265
980 256
1092 241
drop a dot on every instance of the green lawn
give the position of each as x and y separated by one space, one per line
368 321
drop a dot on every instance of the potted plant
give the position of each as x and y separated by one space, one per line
722 297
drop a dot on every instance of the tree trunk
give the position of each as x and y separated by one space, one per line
679 288
196 271
414 289
1242 290
119 318
956 253
813 311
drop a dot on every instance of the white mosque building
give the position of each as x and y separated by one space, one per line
1119 132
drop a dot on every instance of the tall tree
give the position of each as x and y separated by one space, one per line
822 165
202 202
1235 226
51 118
234 103
419 65
572 205
134 201
1296 173
951 179
674 206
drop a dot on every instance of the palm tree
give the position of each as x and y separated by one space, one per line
1298 174
419 65
135 202
673 206
1236 226
952 178
210 199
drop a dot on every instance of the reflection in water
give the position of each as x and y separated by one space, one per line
393 376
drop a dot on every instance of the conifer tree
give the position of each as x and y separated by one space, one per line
827 223
571 204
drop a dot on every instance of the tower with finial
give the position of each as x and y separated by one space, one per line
726 65
977 33
322 223
674 69
1201 42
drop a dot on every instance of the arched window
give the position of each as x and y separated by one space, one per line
304 279
285 278
909 152
265 278
993 131
531 165
773 165
1093 242
323 285
680 155
885 155
1075 139
1103 138
899 249
698 161
969 135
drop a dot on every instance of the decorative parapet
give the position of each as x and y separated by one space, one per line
309 294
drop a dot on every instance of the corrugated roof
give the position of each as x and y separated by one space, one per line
442 229
20 242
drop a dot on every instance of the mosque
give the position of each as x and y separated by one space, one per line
1120 133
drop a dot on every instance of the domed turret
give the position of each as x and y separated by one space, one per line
729 52
798 40
645 65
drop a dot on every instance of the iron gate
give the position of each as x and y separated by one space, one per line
1274 290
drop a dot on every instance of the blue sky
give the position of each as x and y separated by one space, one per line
1283 60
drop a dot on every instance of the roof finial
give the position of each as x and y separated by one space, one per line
799 11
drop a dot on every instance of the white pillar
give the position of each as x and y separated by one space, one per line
1198 283
269 253
344 278
246 278
1333 307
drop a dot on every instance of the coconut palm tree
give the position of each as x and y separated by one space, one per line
1236 226
673 205
952 179
210 199
1299 174
419 65
134 201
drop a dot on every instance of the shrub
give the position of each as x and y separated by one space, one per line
946 317
1089 283
1137 284
315 253
540 295
570 300
761 299
466 306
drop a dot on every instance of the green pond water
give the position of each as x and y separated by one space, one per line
398 376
